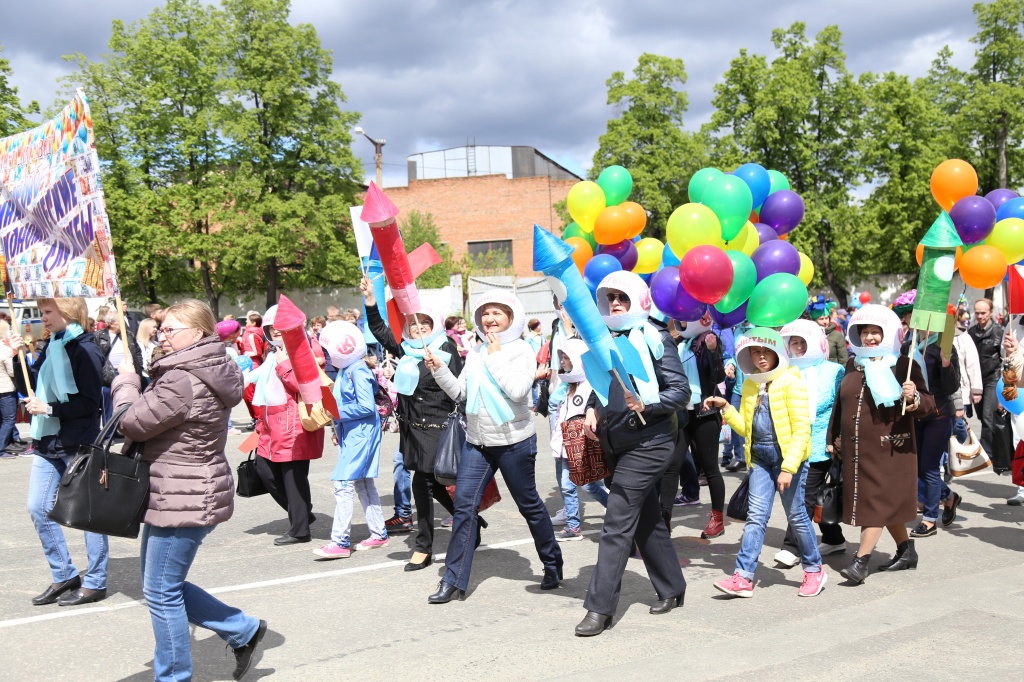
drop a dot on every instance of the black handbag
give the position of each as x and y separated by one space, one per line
830 497
449 448
739 503
543 397
1002 441
102 491
249 483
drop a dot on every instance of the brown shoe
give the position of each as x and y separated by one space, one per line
715 527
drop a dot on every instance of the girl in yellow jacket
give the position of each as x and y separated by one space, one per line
774 418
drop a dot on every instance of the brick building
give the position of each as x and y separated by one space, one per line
486 198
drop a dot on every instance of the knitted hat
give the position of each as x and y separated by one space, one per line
225 328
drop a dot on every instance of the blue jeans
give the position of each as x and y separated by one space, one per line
107 409
403 487
766 465
734 448
570 496
517 463
932 443
166 556
367 491
42 492
8 415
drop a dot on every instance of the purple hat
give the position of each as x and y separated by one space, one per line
225 328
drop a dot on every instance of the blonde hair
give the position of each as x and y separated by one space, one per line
71 309
195 314
146 331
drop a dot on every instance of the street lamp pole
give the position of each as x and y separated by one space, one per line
378 153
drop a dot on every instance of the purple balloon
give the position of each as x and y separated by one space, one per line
998 197
765 233
670 297
729 319
774 257
973 217
624 252
782 211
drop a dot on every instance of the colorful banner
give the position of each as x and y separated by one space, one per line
53 220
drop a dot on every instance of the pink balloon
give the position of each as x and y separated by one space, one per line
706 273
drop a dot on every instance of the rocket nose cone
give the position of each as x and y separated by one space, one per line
548 250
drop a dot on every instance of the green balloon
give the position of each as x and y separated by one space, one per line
700 181
617 184
744 278
574 230
730 198
779 181
777 300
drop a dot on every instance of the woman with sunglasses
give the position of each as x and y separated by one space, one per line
637 431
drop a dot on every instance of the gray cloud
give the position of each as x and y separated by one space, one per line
432 74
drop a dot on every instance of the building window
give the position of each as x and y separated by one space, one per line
477 249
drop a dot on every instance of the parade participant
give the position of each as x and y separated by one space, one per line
423 409
987 337
67 378
182 418
500 436
110 344
820 311
971 385
228 332
252 345
808 350
774 418
455 329
357 435
284 449
148 345
8 394
875 438
639 453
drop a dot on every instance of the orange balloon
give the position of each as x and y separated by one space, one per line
582 253
956 258
983 267
953 180
754 217
637 218
612 225
784 237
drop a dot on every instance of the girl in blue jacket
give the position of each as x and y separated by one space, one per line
357 435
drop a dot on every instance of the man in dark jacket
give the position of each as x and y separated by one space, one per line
988 337
109 342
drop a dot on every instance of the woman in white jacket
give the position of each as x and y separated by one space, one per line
971 387
500 436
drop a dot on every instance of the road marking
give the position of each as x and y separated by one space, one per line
71 613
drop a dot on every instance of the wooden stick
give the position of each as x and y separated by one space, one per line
627 390
910 367
21 354
124 330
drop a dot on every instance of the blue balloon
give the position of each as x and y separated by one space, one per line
669 259
1011 406
599 267
1014 208
757 179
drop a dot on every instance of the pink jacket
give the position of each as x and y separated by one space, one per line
282 438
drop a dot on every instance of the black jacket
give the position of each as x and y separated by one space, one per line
619 428
102 338
988 340
80 415
943 382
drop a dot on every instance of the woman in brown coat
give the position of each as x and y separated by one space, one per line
183 419
875 438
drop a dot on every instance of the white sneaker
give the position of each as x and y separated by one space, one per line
787 558
825 549
559 518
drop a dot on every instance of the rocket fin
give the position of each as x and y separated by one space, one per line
630 358
599 379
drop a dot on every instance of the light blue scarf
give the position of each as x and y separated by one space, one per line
55 381
481 388
689 359
407 371
919 356
885 389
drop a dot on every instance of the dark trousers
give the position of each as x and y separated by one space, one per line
831 534
932 443
426 489
288 484
8 415
517 464
107 408
703 435
634 513
680 471
986 410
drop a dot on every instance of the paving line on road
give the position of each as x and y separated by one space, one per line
71 613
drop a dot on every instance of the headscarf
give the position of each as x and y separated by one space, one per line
643 335
885 389
55 381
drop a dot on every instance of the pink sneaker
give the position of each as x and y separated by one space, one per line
372 543
737 586
332 551
813 583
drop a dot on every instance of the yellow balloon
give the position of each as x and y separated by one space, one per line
585 201
648 256
746 241
1008 237
691 225
806 273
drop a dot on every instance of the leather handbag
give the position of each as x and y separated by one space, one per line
739 503
449 448
829 506
587 462
968 457
249 483
1002 441
491 496
102 491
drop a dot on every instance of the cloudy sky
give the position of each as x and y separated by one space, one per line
432 74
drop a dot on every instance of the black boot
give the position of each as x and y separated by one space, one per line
666 605
593 624
858 570
552 578
906 558
445 593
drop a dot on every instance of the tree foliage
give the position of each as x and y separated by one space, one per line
419 228
14 116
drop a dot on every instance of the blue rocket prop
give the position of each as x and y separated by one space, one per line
607 357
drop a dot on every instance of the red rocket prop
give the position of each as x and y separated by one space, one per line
379 212
291 322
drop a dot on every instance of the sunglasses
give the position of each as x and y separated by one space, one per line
623 298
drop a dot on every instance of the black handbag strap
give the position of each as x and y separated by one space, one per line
109 430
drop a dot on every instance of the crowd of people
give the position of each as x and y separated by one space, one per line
837 390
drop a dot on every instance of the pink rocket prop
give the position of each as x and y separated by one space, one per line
379 212
291 322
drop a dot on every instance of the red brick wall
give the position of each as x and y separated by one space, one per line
488 207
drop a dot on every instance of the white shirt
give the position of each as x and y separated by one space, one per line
116 350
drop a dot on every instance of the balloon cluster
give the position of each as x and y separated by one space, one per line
991 227
727 253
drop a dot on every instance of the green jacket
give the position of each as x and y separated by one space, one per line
836 345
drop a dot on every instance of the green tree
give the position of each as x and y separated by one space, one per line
419 228
648 137
14 116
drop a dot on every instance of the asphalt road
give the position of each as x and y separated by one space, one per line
958 615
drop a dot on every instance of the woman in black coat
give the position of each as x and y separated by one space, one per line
422 413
